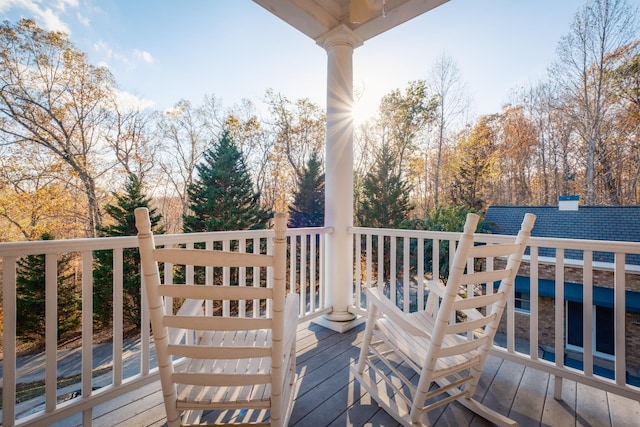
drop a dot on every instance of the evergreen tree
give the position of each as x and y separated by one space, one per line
307 209
442 218
385 195
223 197
31 293
123 225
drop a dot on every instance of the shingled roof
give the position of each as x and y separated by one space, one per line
617 223
614 223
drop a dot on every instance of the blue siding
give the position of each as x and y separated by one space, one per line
573 292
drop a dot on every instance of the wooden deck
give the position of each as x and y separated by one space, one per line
328 395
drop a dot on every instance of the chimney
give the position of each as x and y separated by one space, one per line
568 203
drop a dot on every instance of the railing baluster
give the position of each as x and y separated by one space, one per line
209 280
118 316
452 253
357 249
51 331
533 301
242 279
435 259
303 269
380 261
393 292
269 278
256 277
406 259
145 324
87 331
189 275
9 340
420 268
619 293
511 320
293 251
322 274
369 255
226 279
587 313
312 276
559 321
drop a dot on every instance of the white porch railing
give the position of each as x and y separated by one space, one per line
119 374
394 256
404 276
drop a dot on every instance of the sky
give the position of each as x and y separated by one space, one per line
164 51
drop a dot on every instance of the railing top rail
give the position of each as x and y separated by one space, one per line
38 247
541 242
427 234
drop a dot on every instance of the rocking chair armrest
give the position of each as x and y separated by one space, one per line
436 287
384 306
436 293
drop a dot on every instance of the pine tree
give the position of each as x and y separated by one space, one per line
385 195
384 202
223 197
31 294
123 225
307 209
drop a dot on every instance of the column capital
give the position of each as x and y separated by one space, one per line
340 35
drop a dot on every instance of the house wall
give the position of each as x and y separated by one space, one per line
546 312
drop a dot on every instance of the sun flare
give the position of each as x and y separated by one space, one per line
362 111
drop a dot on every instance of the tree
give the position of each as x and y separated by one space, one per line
445 82
34 197
471 164
307 209
298 132
517 140
31 297
599 30
625 81
51 96
404 116
122 214
255 143
131 137
222 197
186 130
555 156
384 202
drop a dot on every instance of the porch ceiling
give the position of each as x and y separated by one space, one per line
366 18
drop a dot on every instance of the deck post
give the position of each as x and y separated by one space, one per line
339 44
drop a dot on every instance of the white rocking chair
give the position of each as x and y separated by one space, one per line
241 367
446 344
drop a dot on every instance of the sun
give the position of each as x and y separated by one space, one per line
362 111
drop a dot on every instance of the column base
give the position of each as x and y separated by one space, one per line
330 321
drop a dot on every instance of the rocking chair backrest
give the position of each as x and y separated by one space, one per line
230 362
476 316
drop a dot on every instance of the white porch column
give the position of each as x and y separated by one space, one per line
339 44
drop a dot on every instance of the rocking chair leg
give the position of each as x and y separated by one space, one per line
488 413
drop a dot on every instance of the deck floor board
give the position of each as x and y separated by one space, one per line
562 412
329 396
